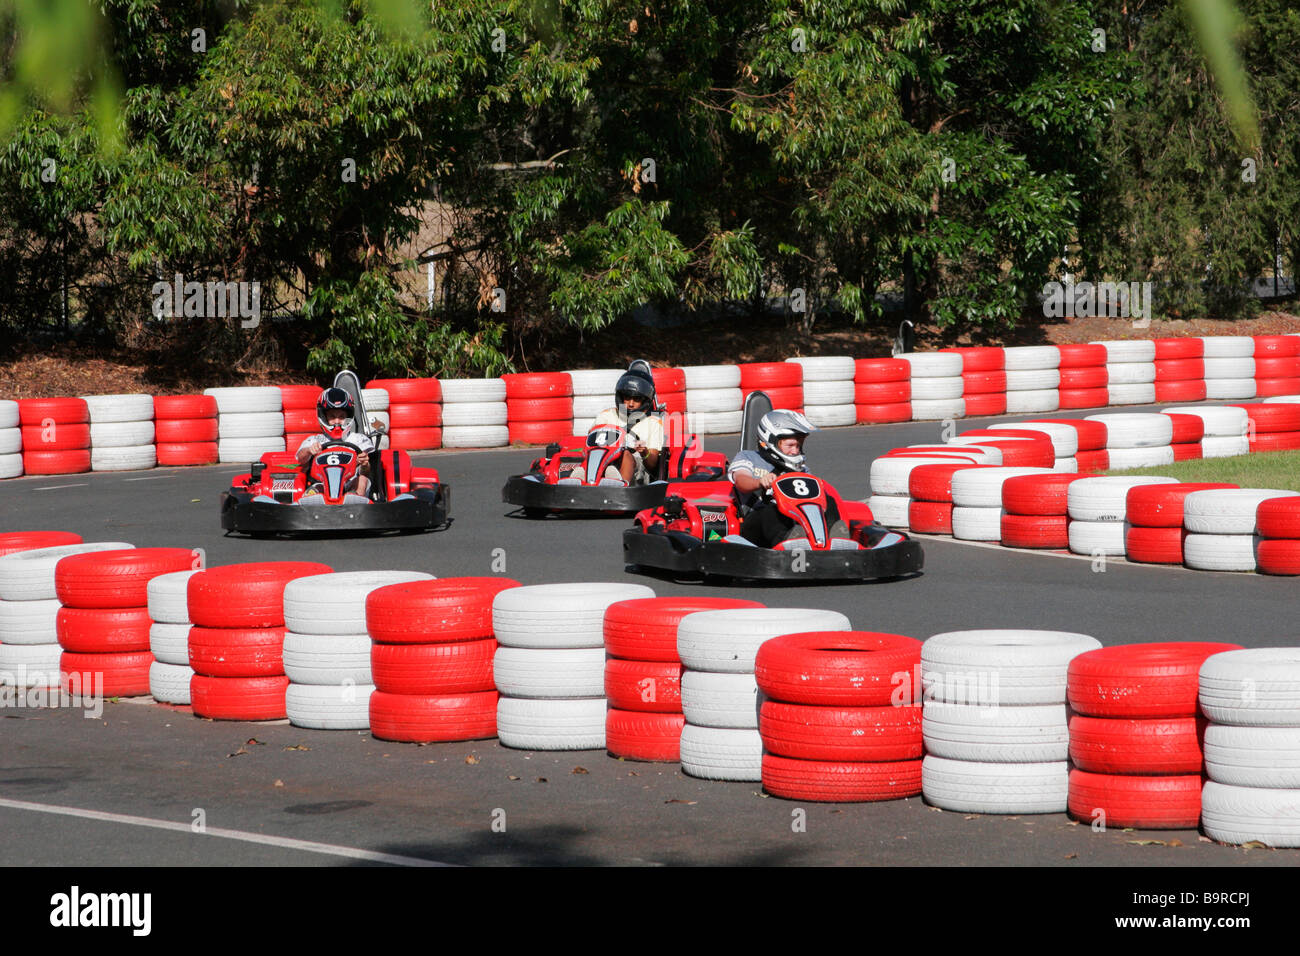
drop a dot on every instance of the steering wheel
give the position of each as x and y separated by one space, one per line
338 441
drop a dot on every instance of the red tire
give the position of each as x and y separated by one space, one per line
293 440
1038 494
634 735
433 670
1187 451
1280 417
1165 747
422 415
1086 377
674 403
838 734
668 381
1092 461
929 517
1081 356
537 385
61 411
1161 506
1073 398
245 595
1276 346
765 375
299 396
1192 391
822 781
539 409
1177 349
1267 367
438 611
1139 680
1278 518
112 579
1279 556
979 358
934 482
1269 387
881 370
415 439
55 437
103 630
14 541
790 397
124 674
645 629
1275 441
70 462
1145 803
839 668
188 453
237 651
1179 370
185 430
1022 452
238 698
992 403
539 433
1187 428
184 407
299 421
882 393
1154 545
430 719
1091 435
1035 531
884 414
644 686
410 391
981 383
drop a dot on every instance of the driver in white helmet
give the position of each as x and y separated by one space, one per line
336 413
781 436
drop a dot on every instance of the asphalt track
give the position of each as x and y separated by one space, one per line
132 787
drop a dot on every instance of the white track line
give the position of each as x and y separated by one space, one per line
82 484
287 843
150 478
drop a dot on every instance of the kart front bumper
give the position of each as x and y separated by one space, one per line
525 492
425 510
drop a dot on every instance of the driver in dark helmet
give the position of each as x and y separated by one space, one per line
634 410
336 413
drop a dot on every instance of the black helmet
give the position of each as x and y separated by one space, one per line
635 383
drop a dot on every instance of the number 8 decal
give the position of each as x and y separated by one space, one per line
800 486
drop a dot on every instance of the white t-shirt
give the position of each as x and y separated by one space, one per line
650 429
355 438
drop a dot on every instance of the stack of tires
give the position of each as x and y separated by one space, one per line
1137 439
1277 365
236 643
593 392
1180 370
670 390
835 727
1089 440
1229 367
1221 527
1064 439
169 637
1188 433
984 380
643 674
1272 427
1130 371
1278 548
1018 446
721 740
103 624
11 440
890 489
376 402
550 663
431 660
1154 518
1084 379
829 389
474 413
1033 379
55 435
121 432
250 422
1035 510
995 723
1098 508
1251 746
327 647
937 385
977 501
782 381
1135 735
298 404
929 488
882 391
29 605
414 412
713 399
539 407
185 429
1225 429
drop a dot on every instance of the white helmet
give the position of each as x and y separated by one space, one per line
783 423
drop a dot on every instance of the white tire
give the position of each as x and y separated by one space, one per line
1031 734
1228 346
979 455
168 600
1066 465
831 416
551 724
1023 358
890 510
1121 459
589 406
475 436
242 400
711 376
933 411
1240 815
715 423
1000 667
170 643
726 642
1065 440
29 622
132 458
558 615
170 683
248 425
30 665
375 399
29 575
474 413
551 672
1227 510
11 466
233 450
1099 538
336 603
133 407
889 476
932 365
1136 429
1130 394
722 399
1105 498
121 434
976 524
595 381
11 441
327 659
1282 400
720 700
992 455
582 425
1220 552
329 708
1224 446
1218 419
826 368
970 786
1131 373
1230 389
458 390
9 417
1259 687
1024 380
1267 757
1120 351
714 753
982 487
1234 367
930 389
839 392
1033 402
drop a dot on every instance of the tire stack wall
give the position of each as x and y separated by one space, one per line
829 389
593 392
185 429
1033 379
1180 370
121 432
1277 365
984 380
937 385
414 412
713 399
1130 371
55 435
474 413
169 637
1229 367
882 391
11 440
1221 527
250 422
1084 380
539 407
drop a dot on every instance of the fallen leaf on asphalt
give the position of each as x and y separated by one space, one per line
936 809
1149 843
633 773
471 759
1255 845
970 816
689 803
579 770
511 777
298 747
1204 839
253 742
1175 843
238 753
278 783
1071 856
542 780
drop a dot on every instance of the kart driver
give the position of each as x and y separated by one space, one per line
336 413
634 394
781 436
